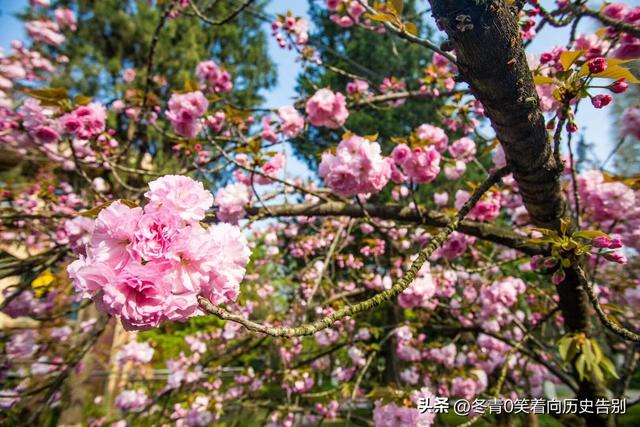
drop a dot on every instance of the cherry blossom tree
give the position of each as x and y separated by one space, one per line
153 234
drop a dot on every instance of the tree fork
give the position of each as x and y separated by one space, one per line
491 59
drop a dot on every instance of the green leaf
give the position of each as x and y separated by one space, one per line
597 351
81 100
49 96
617 72
191 86
563 347
385 393
539 241
490 147
398 6
93 213
613 308
588 234
382 17
589 356
411 28
129 203
541 80
614 68
596 373
569 57
609 367
580 365
546 232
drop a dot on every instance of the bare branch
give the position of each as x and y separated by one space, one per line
606 321
223 21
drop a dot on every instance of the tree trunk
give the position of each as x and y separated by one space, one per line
491 59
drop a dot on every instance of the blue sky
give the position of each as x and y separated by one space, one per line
597 125
10 27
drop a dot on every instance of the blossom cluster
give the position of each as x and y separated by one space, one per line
185 111
352 9
420 165
147 265
212 75
296 27
357 167
327 109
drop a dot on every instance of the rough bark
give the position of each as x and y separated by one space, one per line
491 59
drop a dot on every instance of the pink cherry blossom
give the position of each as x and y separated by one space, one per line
463 149
268 134
499 157
136 352
78 232
185 110
113 233
86 121
455 246
357 86
444 355
231 201
605 200
301 30
149 265
392 415
455 170
464 388
45 31
66 18
615 11
327 109
230 254
421 291
132 400
137 295
433 135
332 5
182 195
154 233
271 168
39 122
218 79
356 168
421 165
487 209
292 121
630 122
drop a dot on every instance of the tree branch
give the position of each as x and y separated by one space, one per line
481 230
490 57
606 321
223 21
403 283
621 26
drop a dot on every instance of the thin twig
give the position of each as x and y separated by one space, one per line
400 32
606 321
223 21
